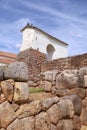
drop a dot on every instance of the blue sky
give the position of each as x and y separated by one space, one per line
64 19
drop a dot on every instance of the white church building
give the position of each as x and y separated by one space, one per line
36 38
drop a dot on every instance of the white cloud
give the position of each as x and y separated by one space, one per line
52 11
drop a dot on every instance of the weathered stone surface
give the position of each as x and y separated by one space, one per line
42 121
15 106
30 83
54 114
84 127
85 81
55 72
2 129
84 104
23 124
48 75
30 109
7 90
17 71
47 86
82 72
66 108
53 127
77 103
78 91
2 98
67 79
27 123
83 117
15 125
1 73
76 123
7 114
65 125
61 92
11 81
36 79
21 92
46 103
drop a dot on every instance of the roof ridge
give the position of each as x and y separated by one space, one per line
31 26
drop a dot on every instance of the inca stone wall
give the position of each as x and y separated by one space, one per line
66 110
74 62
37 62
33 58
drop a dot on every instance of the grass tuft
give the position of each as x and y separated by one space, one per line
35 90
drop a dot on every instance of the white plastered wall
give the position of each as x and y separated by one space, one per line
38 40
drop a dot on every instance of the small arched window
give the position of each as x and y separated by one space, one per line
50 51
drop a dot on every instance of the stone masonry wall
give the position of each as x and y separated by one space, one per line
37 62
18 113
33 58
67 110
74 62
69 84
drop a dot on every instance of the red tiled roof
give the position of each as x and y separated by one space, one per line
7 54
6 57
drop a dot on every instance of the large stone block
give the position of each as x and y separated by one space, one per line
7 114
48 75
54 114
66 108
76 123
82 72
27 123
21 92
67 79
77 103
61 92
65 125
83 117
46 103
47 86
17 71
78 91
23 124
42 121
15 125
7 90
29 109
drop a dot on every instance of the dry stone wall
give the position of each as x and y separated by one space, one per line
37 62
66 110
74 62
69 84
56 113
17 112
33 58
